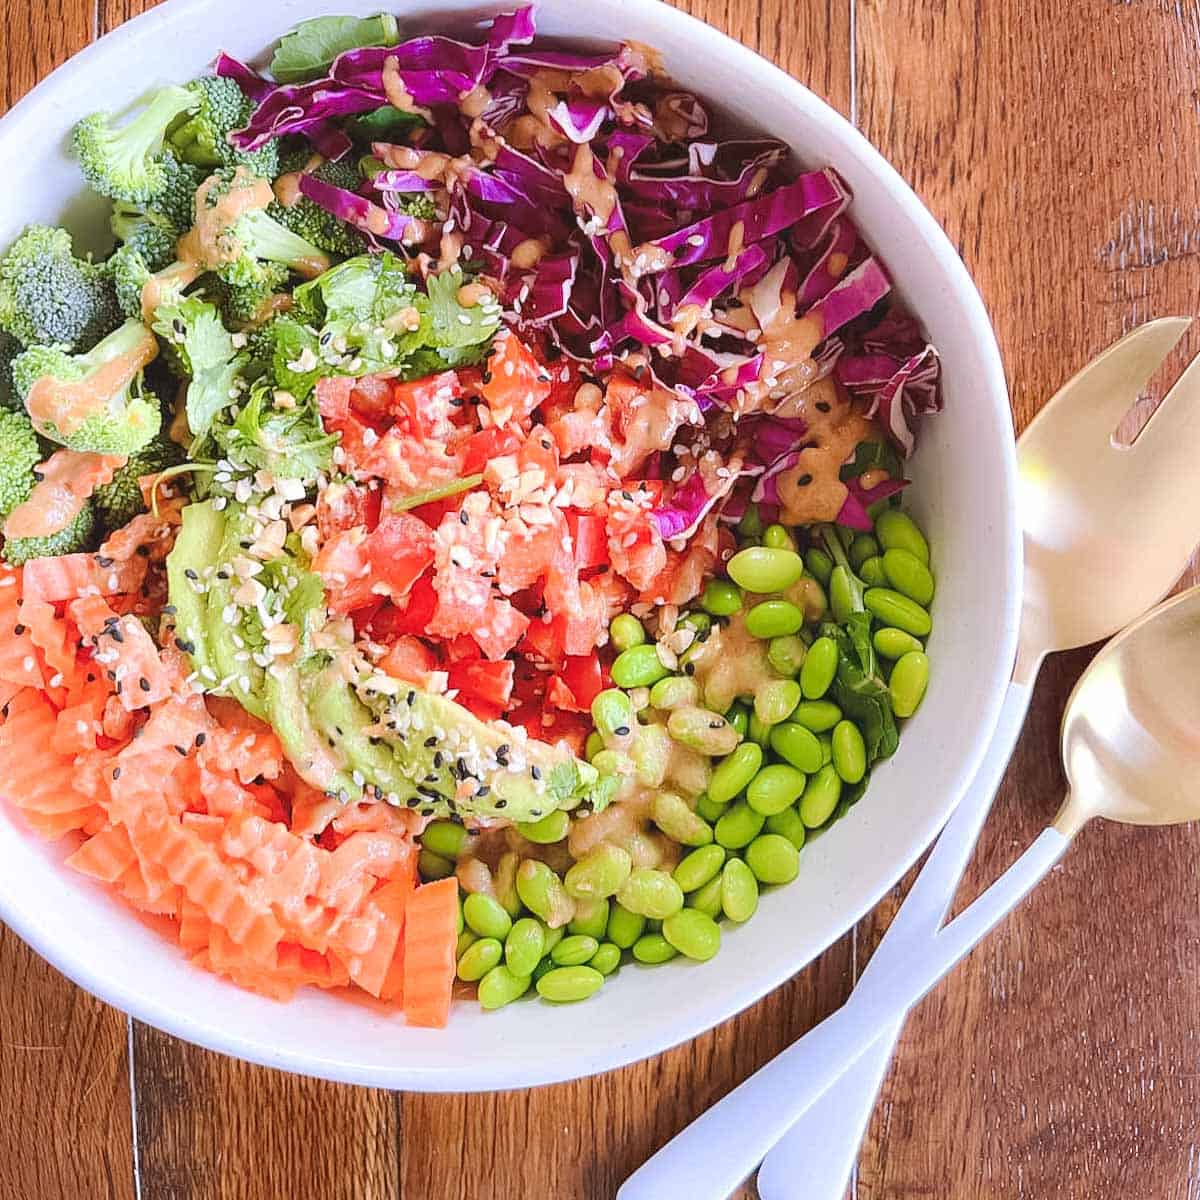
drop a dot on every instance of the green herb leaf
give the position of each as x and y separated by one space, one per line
859 691
310 48
870 456
453 326
385 124
438 493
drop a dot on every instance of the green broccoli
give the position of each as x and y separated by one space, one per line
318 225
148 232
242 302
48 295
203 137
121 422
19 454
119 501
9 349
176 199
77 536
126 163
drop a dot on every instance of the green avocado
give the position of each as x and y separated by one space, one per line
347 729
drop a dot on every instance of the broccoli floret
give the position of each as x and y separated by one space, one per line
242 301
77 536
126 162
19 454
150 233
48 295
130 272
119 501
315 223
176 199
9 349
203 138
122 420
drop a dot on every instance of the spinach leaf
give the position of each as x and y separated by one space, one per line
310 48
859 691
869 456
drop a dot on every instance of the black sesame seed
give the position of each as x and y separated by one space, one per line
438 759
104 561
689 668
181 751
536 772
201 738
622 731
487 376
144 684
463 519
190 573
500 803
18 630
410 699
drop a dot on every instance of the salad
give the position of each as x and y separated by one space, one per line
457 532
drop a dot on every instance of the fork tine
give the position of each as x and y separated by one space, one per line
1175 424
1102 392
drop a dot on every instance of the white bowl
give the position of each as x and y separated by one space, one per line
965 493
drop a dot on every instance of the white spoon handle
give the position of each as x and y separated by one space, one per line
815 1158
719 1149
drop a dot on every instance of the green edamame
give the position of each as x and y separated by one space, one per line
702 730
819 564
674 692
774 618
674 816
501 986
698 867
652 893
826 743
841 594
434 866
566 985
773 859
776 537
598 874
625 927
551 937
626 631
849 752
789 825
775 788
798 746
820 667
479 958
758 731
819 716
590 919
593 746
909 575
739 717
550 829
693 933
739 891
708 898
639 666
542 892
709 809
721 598
486 916
466 939
820 797
891 608
761 569
787 654
739 826
734 772
574 951
910 678
872 572
775 701
606 959
653 948
699 622
863 547
896 530
524 946
612 712
894 643
446 838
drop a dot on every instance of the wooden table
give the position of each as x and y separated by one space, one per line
1058 144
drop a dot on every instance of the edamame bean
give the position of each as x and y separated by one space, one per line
872 572
593 746
739 717
696 869
863 547
820 797
910 678
551 937
486 916
773 859
774 618
694 934
789 825
466 939
505 883
674 816
849 752
524 946
798 746
550 829
775 788
626 631
501 986
819 564
625 927
721 598
739 826
652 893
700 622
820 667
909 575
434 866
599 873
639 666
787 654
819 716
761 569
674 692
708 898
574 951
826 742
841 595
542 892
653 948
446 838
758 731
739 891
776 537
891 608
896 530
479 959
775 701
612 711
590 919
702 730
606 959
734 772
709 809
894 643
566 985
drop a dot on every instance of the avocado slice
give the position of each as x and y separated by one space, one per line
198 541
317 762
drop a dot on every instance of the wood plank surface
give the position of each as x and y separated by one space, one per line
1058 144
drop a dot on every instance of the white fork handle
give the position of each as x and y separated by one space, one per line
719 1149
815 1158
